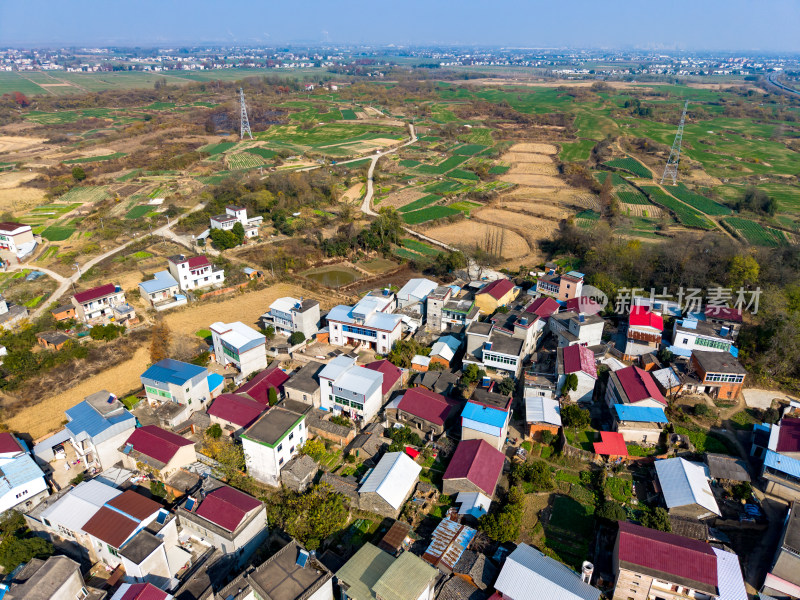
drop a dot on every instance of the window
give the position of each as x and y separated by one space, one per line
685 340
280 462
291 450
291 436
280 447
83 593
112 550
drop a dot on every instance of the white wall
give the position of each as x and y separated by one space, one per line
264 463
253 360
26 491
107 451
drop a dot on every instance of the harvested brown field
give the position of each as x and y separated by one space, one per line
540 209
527 157
532 180
402 197
14 143
352 194
20 199
534 227
15 178
534 148
468 234
531 168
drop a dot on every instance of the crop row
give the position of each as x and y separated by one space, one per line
686 214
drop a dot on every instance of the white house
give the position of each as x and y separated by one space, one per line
578 361
239 345
415 291
162 291
22 485
194 272
16 238
369 322
171 380
233 215
350 389
693 334
488 347
576 328
98 303
271 442
288 315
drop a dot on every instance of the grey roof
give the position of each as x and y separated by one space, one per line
505 344
306 379
315 422
479 328
141 545
458 588
347 486
722 466
530 575
300 467
791 538
719 362
272 425
480 569
684 483
40 580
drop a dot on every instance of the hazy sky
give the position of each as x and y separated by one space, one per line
670 24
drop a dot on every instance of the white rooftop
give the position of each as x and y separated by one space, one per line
285 304
392 478
416 289
336 367
237 334
539 409
75 508
683 483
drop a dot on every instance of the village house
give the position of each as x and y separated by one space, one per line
298 474
368 322
434 305
64 312
159 451
162 291
233 215
57 578
571 328
541 414
668 381
645 328
239 345
228 519
235 412
720 374
372 573
52 340
420 363
444 351
292 573
528 574
16 238
650 564
690 334
289 315
725 316
783 578
579 361
181 383
633 385
259 386
612 446
561 287
271 442
392 376
97 304
476 466
685 488
415 293
423 411
639 424
194 272
488 348
449 541
459 312
22 485
11 315
781 469
389 485
495 294
519 324
349 389
486 416
303 385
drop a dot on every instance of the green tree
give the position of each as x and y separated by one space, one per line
78 174
17 550
547 437
238 231
297 337
402 437
223 239
214 432
537 473
314 448
269 332
272 396
314 515
742 491
574 416
506 387
611 511
570 384
658 518
743 271
505 525
472 374
105 332
158 489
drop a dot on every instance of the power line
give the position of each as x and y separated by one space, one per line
671 168
245 122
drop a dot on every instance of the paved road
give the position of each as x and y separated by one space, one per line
366 204
773 79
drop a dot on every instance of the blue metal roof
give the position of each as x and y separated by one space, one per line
640 414
782 463
19 471
214 381
173 371
161 281
677 351
734 351
84 418
484 414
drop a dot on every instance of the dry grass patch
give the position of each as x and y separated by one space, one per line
533 226
353 193
527 157
468 234
534 147
541 209
14 143
402 197
531 168
533 180
21 199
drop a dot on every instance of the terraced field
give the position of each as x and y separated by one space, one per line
701 203
631 165
90 159
85 194
685 214
244 160
429 214
755 233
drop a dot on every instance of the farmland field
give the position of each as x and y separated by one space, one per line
348 114
576 151
443 167
469 149
465 206
499 170
429 214
755 233
631 165
138 211
420 247
462 174
88 159
243 160
214 149
701 203
56 233
421 203
686 214
84 195
262 152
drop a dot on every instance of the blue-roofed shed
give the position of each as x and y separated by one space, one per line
782 464
640 414
484 414
215 380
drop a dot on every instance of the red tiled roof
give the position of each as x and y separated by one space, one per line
425 404
95 293
226 507
110 526
198 261
135 505
543 307
639 385
9 226
258 387
579 358
642 317
612 444
725 313
237 409
391 374
789 435
157 443
479 462
667 553
497 288
144 591
9 444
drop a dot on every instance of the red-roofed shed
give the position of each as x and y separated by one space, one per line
391 374
258 387
144 591
476 466
236 410
227 507
9 444
612 445
724 313
637 385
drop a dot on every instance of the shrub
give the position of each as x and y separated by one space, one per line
658 519
574 416
536 473
214 432
158 489
702 410
742 491
297 337
272 395
340 420
611 511
547 438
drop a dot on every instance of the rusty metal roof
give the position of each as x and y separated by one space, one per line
449 540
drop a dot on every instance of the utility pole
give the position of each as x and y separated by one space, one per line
244 125
671 168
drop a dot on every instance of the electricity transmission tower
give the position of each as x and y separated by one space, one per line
245 122
671 168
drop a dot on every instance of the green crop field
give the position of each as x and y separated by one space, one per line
262 152
444 187
576 151
616 178
407 254
631 165
138 211
587 219
755 233
214 149
478 135
89 159
686 214
348 114
469 149
499 170
244 160
443 167
429 214
420 247
465 206
85 194
408 163
56 233
701 203
463 174
630 195
419 203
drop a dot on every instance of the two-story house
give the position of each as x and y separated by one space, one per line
486 416
689 335
97 304
720 374
352 390
561 287
171 380
571 328
238 345
644 332
157 451
579 361
271 442
16 237
237 214
373 573
633 385
162 292
194 272
288 315
490 348
22 485
369 322
97 427
783 578
495 294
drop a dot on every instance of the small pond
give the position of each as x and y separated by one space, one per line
333 276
